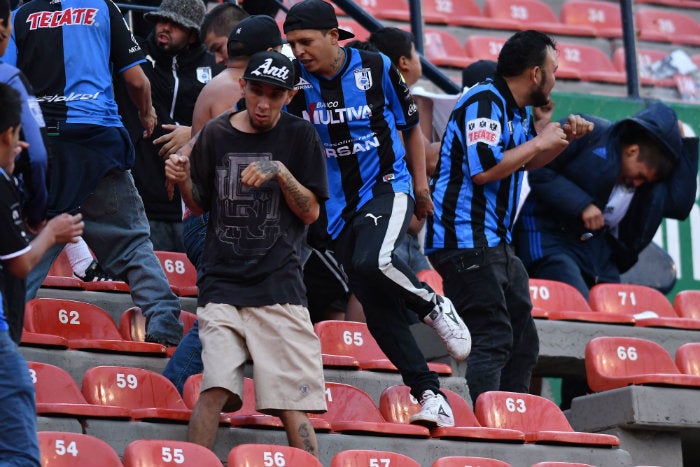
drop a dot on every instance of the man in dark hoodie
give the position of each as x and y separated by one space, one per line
179 65
591 211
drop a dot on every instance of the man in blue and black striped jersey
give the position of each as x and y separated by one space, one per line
489 141
358 102
68 50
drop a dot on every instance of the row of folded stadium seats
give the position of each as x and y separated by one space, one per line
59 449
587 18
124 393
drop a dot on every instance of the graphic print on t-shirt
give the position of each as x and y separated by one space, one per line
249 216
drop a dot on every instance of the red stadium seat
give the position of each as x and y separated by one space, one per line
397 405
687 304
466 13
443 49
560 464
560 301
688 358
266 455
361 34
132 325
462 461
614 362
58 394
59 449
149 396
352 411
36 339
61 274
632 299
604 17
645 58
667 26
181 274
85 326
480 47
533 14
167 453
367 458
352 341
539 418
589 63
433 279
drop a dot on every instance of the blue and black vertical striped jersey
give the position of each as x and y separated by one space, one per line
485 123
358 114
68 50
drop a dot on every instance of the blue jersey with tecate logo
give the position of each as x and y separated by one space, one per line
68 50
357 114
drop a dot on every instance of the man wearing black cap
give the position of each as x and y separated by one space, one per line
358 101
178 66
260 174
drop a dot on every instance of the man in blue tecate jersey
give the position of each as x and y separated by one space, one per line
489 140
358 101
68 51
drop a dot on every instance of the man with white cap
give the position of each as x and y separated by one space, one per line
260 174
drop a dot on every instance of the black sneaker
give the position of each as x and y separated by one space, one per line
94 273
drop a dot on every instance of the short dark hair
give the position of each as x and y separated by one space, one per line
10 107
222 19
5 11
651 152
361 45
393 42
523 50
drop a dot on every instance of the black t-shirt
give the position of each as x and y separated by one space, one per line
251 253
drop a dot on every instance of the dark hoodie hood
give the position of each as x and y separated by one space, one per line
661 122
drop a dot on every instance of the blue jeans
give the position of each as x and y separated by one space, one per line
166 236
116 229
19 446
187 359
408 250
194 230
490 290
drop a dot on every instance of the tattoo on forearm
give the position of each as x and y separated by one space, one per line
306 439
301 200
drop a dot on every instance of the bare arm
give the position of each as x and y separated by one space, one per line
139 89
61 229
177 171
415 155
302 201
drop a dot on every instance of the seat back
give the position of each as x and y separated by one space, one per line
560 464
133 388
645 58
396 405
168 453
481 47
361 33
53 384
265 455
433 279
688 358
629 299
524 412
193 383
348 338
583 58
348 403
180 272
444 48
556 296
59 449
687 303
604 17
607 358
368 458
462 461
70 319
664 25
132 323
522 11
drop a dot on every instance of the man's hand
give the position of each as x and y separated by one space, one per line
179 136
177 170
148 122
259 172
66 228
424 203
552 137
592 217
577 126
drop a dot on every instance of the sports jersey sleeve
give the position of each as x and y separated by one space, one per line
125 51
13 239
484 126
399 97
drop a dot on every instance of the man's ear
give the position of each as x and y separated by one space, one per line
535 72
402 65
290 96
6 137
241 83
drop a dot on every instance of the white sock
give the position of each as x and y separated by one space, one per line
79 256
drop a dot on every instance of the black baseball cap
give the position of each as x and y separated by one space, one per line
272 68
477 72
314 14
255 34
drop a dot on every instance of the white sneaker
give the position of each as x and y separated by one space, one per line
451 329
435 411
